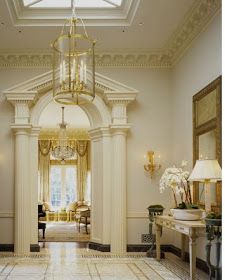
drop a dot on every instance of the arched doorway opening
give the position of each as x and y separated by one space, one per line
109 125
64 186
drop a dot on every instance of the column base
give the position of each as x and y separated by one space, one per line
99 247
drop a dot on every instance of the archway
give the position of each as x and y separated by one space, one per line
108 118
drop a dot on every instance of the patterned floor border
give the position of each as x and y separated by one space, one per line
169 268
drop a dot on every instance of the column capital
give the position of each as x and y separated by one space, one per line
15 97
119 102
18 128
120 129
21 101
122 98
35 131
100 132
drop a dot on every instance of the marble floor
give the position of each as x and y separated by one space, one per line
59 261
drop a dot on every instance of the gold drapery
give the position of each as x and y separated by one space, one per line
82 168
82 150
44 168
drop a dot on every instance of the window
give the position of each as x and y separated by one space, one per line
67 3
62 185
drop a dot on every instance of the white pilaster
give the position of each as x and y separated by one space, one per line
33 162
22 190
22 235
101 184
118 201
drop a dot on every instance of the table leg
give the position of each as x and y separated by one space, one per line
158 235
192 253
86 224
183 238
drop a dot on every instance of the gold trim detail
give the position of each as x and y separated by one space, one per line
72 133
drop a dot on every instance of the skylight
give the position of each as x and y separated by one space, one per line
54 12
68 3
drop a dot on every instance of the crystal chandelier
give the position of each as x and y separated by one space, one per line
63 151
73 64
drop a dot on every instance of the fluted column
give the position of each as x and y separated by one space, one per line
22 190
118 208
34 184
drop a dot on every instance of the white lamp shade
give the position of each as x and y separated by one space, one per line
206 169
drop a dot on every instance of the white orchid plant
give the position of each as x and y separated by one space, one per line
176 178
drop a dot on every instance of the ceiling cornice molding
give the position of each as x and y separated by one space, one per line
124 58
198 18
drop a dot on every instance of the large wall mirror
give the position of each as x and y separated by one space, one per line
207 136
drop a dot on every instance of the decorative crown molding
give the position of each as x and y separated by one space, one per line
196 20
121 58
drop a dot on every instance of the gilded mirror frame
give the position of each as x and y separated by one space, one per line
207 117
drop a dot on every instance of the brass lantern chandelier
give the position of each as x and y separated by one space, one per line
73 64
63 151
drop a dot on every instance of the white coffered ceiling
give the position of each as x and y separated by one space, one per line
158 31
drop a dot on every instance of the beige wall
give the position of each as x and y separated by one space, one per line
150 116
200 65
161 120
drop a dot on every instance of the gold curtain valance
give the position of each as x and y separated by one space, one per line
44 146
80 146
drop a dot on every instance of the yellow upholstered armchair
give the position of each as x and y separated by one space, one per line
71 209
82 214
84 218
51 215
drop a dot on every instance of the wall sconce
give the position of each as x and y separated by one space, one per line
151 166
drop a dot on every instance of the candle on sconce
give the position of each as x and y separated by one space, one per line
85 73
61 73
64 71
81 71
73 72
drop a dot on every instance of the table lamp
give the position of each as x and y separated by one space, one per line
206 171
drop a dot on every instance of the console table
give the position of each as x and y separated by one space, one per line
192 229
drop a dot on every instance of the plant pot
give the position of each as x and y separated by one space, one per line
187 214
213 222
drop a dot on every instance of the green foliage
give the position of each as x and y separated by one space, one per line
192 206
213 215
183 205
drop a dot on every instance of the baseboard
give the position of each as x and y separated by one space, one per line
201 264
34 248
99 247
10 248
7 247
137 248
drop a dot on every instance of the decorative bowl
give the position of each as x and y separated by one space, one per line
187 214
